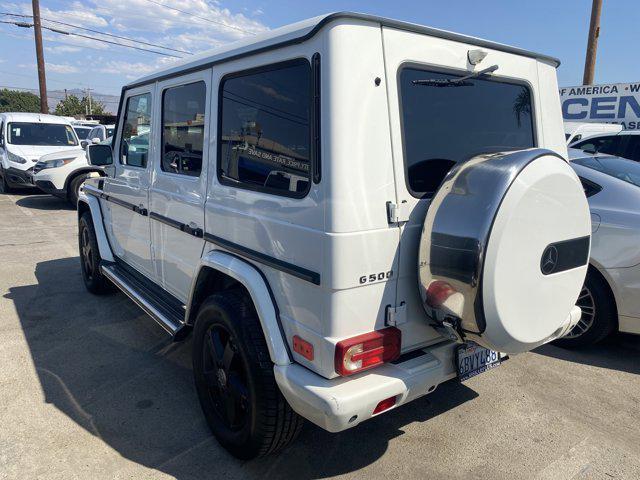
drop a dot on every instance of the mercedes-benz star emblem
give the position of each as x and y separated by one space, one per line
549 260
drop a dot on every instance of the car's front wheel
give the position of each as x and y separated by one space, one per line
74 188
599 318
235 382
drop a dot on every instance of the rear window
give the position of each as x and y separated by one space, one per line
608 144
443 124
620 168
41 134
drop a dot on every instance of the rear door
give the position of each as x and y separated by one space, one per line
179 185
434 127
128 189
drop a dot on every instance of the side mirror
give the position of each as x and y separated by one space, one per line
84 144
100 155
95 140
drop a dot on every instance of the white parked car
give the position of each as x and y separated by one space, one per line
62 173
97 134
610 298
575 131
24 138
625 144
303 202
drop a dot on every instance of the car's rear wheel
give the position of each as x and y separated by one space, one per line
90 258
599 318
235 382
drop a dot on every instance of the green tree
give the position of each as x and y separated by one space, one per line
15 101
73 105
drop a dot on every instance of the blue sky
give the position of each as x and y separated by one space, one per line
555 27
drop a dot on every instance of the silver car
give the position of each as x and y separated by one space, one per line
610 298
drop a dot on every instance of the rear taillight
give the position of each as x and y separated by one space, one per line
367 351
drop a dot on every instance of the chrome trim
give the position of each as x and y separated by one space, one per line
456 232
170 327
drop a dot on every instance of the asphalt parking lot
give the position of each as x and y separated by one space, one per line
91 388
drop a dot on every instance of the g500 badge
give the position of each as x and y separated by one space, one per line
376 277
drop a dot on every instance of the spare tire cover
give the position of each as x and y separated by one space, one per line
505 248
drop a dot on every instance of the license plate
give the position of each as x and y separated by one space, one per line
472 359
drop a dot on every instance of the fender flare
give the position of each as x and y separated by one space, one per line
96 215
256 284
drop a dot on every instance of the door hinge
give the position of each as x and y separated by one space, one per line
396 315
397 213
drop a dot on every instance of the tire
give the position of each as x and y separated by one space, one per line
235 382
94 280
74 188
599 316
4 184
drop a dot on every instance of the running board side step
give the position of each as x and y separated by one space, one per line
167 313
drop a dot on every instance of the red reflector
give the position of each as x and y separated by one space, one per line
367 351
438 293
302 347
385 404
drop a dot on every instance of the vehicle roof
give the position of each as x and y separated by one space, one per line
33 117
301 31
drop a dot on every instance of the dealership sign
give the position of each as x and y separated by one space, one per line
611 103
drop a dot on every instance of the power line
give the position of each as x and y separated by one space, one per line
210 20
64 32
101 33
56 93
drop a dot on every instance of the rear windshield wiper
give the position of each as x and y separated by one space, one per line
456 82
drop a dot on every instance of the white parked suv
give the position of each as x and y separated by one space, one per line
62 173
24 138
303 202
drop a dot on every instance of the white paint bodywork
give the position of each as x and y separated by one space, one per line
576 131
31 153
339 230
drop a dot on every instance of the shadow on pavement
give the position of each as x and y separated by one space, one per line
618 352
108 367
44 202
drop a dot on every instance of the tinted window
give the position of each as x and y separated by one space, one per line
616 167
632 151
183 129
110 131
265 130
444 125
134 145
608 144
590 188
41 134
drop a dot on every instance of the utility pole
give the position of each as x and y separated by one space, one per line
592 43
88 90
42 80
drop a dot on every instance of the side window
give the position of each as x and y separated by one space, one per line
2 134
183 123
134 142
608 144
632 152
265 133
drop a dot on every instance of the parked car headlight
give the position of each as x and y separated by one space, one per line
54 163
16 158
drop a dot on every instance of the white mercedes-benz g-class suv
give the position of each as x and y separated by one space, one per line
346 212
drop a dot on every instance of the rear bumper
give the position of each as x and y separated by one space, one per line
342 403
